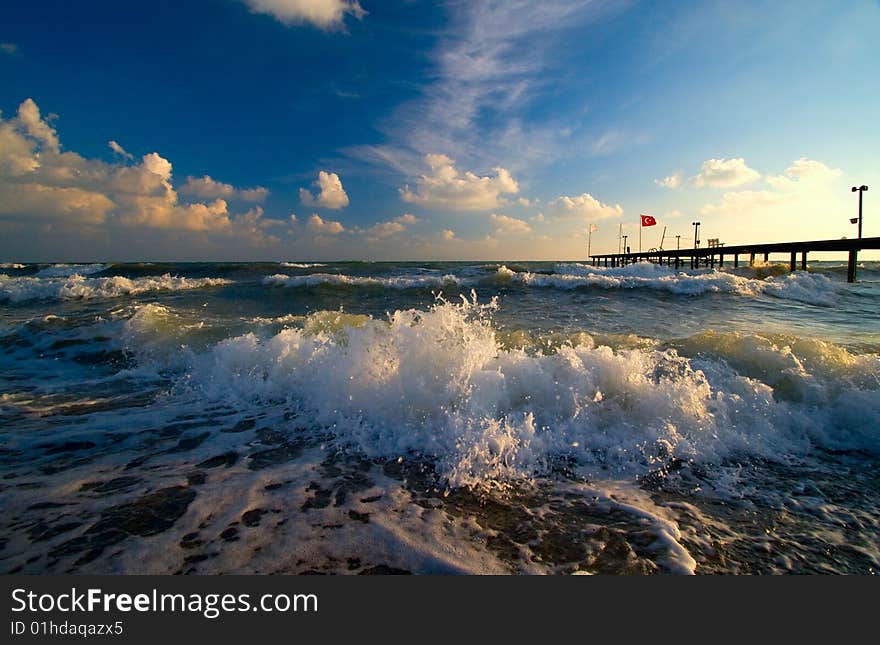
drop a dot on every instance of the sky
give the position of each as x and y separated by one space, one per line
245 130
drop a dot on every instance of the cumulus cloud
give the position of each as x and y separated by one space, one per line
41 184
318 225
36 127
582 206
445 187
330 195
725 173
208 188
505 225
324 14
806 182
802 171
383 230
744 201
672 181
447 234
118 149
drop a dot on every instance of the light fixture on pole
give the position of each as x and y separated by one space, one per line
696 234
860 189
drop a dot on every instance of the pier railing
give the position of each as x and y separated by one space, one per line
715 255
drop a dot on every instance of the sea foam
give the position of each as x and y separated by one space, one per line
800 286
76 286
439 383
342 280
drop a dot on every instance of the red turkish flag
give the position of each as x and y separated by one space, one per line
648 220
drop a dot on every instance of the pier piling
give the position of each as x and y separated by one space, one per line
851 266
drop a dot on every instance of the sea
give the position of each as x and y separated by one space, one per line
439 418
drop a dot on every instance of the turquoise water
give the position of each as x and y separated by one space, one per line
438 417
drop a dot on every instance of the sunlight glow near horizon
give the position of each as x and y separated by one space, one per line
386 131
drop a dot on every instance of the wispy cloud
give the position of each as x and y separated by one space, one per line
488 68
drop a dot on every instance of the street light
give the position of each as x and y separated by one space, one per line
678 242
860 189
696 234
624 244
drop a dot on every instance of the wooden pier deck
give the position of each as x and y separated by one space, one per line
714 256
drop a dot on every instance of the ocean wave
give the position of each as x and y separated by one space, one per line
301 265
803 287
69 270
20 289
12 265
342 280
440 383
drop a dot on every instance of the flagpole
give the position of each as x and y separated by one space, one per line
619 233
640 233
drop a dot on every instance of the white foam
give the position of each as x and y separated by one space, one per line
439 383
302 265
68 270
396 282
800 286
11 265
19 289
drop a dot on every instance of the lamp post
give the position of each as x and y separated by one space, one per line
678 242
696 234
860 189
624 244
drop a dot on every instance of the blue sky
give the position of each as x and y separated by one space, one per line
331 129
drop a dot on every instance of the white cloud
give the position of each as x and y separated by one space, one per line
118 149
725 173
390 228
324 227
324 14
331 194
744 202
583 206
538 218
489 65
803 171
505 225
524 201
447 234
448 188
208 188
672 181
806 182
36 127
39 183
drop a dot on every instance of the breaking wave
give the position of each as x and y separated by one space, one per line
69 270
342 280
440 383
803 287
77 286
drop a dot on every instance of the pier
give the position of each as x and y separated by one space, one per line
715 255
